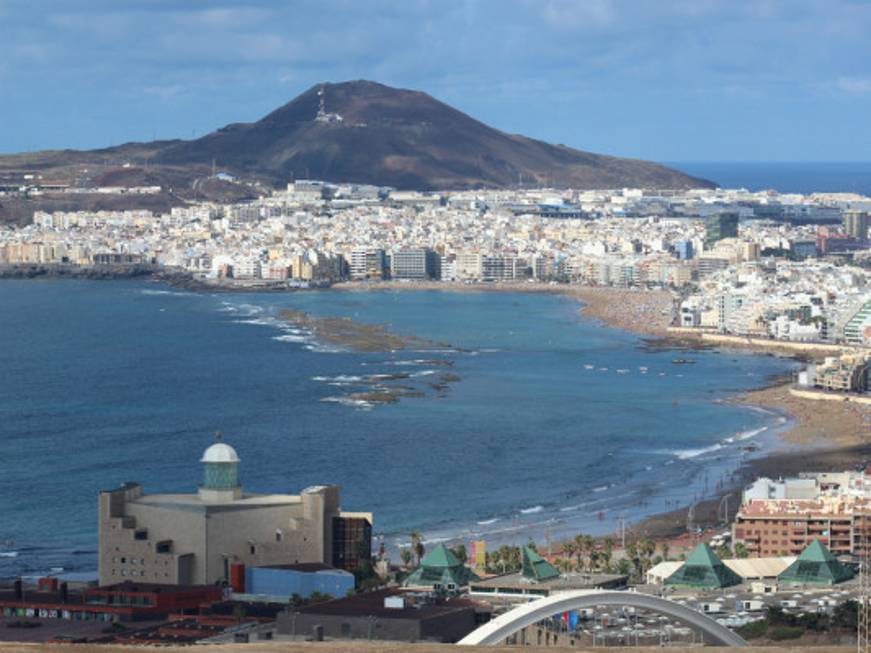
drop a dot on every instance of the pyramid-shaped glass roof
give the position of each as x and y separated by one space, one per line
440 567
535 567
816 565
703 569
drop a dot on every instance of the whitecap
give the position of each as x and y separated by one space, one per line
348 401
487 522
687 454
164 293
531 511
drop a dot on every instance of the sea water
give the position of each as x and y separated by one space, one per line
556 425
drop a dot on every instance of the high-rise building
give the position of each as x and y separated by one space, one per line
720 226
856 225
684 250
419 264
194 539
368 263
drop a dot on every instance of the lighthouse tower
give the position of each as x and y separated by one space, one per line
220 474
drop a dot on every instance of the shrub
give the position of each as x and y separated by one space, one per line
753 630
786 632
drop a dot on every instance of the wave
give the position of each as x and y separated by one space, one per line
746 435
424 373
487 522
688 454
341 378
601 488
161 293
289 337
532 510
347 401
8 554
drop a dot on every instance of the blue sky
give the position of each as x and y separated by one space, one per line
667 80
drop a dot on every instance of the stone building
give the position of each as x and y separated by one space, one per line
193 539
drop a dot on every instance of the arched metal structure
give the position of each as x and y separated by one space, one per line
505 625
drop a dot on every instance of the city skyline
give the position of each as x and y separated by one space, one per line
676 81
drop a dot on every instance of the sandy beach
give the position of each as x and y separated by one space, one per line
817 423
838 433
645 312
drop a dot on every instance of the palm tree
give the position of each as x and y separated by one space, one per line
417 546
460 552
665 548
405 555
607 551
579 550
569 548
648 548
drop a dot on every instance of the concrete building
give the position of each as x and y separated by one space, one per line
387 615
193 539
784 527
368 263
416 264
856 225
720 226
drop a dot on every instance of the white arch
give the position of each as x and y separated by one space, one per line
496 630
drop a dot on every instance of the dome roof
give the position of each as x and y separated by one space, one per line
220 453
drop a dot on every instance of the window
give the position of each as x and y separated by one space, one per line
279 535
252 549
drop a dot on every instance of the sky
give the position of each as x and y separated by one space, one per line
666 80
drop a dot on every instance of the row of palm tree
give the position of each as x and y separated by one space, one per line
589 554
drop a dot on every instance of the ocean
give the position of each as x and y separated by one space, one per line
786 177
549 425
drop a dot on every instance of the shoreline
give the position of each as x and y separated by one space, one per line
839 431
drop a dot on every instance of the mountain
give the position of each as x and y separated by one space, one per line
363 132
380 135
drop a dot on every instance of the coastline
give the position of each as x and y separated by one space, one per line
838 429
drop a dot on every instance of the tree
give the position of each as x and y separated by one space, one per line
405 555
589 546
460 552
607 552
417 546
579 550
568 549
740 550
647 548
665 548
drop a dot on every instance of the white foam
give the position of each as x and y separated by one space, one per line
688 454
171 293
291 338
531 511
348 401
746 435
487 522
424 373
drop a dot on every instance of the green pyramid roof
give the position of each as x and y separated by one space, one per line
703 569
816 565
441 556
440 567
535 567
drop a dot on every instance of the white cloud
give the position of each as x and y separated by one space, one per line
853 85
